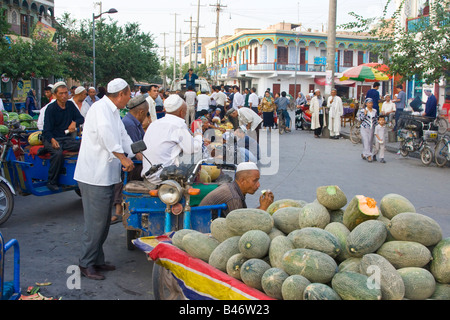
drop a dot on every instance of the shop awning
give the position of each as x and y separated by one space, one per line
348 83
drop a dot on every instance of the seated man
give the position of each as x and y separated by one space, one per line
247 146
233 194
62 118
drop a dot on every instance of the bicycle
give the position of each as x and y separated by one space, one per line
355 130
442 151
441 122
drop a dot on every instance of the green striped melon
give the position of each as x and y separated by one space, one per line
331 197
234 265
402 254
315 239
393 204
365 238
199 245
220 231
381 272
319 291
252 271
341 232
284 203
177 238
350 265
240 221
360 209
411 226
419 283
314 215
440 265
293 287
442 292
272 281
354 286
314 265
254 244
278 247
286 219
223 252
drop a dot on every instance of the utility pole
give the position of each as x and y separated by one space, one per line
196 34
180 53
175 49
331 47
190 41
218 9
165 62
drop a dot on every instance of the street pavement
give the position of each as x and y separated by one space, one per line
49 228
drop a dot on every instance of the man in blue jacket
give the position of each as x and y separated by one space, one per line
62 118
430 105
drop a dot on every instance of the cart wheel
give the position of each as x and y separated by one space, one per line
442 125
6 203
165 287
132 235
426 155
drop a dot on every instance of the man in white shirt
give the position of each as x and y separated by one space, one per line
191 97
221 99
388 109
253 100
238 99
49 94
105 150
247 118
153 93
202 103
167 138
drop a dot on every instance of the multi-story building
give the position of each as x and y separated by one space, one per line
190 55
282 58
23 15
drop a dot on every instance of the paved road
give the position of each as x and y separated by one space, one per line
49 228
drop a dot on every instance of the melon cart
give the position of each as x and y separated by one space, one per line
177 275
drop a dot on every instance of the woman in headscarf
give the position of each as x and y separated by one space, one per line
268 107
369 120
30 103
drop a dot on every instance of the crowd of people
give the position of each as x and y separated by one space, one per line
172 125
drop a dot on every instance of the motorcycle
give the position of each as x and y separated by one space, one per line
415 135
303 117
173 205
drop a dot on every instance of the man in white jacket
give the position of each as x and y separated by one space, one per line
336 111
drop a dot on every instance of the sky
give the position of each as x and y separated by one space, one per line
158 17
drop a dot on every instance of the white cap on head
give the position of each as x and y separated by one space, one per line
79 90
57 85
173 103
117 85
247 166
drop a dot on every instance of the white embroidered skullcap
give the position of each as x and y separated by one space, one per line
57 85
247 166
117 85
173 103
79 90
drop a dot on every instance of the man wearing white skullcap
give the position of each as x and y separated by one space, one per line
92 96
167 138
105 152
233 194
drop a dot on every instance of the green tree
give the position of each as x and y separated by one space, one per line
4 28
422 50
25 58
75 50
122 51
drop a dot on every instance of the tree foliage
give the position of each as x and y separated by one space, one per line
422 50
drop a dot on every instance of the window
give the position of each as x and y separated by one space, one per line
283 55
360 58
348 58
24 27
